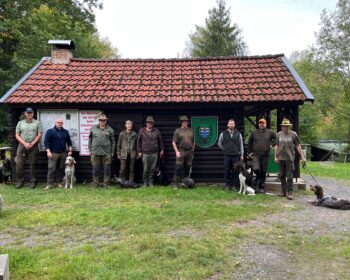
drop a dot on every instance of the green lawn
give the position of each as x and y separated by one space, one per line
328 169
148 233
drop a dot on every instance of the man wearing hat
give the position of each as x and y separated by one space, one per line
259 146
149 144
286 143
28 133
101 147
183 144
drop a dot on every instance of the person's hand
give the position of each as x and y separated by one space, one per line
118 156
241 158
49 154
178 154
161 154
70 153
276 160
140 155
27 145
303 163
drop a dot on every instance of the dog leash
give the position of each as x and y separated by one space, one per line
307 170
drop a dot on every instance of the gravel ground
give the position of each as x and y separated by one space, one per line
267 262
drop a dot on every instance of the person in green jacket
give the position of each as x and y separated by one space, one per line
28 134
127 151
102 148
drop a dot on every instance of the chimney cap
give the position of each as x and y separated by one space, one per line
62 44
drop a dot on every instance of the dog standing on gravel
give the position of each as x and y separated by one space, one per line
327 200
69 178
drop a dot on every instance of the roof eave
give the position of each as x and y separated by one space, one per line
300 82
22 80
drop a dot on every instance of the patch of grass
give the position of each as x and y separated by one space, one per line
147 233
328 169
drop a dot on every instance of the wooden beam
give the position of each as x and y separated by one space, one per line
249 119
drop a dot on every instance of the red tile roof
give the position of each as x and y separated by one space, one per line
245 79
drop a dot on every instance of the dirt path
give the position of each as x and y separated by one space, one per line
265 257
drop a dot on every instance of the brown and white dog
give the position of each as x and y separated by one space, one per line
69 178
327 200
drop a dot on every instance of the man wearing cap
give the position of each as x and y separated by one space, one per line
28 133
259 146
231 144
126 150
183 144
102 148
57 139
286 143
149 144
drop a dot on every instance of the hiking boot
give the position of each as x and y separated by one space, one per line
262 191
106 186
282 194
32 185
59 185
48 187
19 185
289 196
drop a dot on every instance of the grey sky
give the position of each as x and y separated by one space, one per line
160 28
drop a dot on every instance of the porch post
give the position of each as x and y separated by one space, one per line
295 121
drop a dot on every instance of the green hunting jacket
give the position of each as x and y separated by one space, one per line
127 144
102 141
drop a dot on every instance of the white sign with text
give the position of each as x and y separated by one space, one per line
87 119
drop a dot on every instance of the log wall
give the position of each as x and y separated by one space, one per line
207 164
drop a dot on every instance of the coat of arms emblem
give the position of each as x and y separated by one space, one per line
205 131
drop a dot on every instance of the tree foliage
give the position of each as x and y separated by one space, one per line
333 50
27 25
218 37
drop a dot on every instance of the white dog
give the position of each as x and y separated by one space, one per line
244 188
69 178
1 202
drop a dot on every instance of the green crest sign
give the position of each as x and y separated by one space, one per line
205 130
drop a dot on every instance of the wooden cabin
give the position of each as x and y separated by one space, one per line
77 89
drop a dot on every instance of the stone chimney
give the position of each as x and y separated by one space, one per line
61 51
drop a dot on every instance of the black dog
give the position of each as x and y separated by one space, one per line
6 172
328 201
125 183
159 176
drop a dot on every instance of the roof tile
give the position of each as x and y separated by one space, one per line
173 80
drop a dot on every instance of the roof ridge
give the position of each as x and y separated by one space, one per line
180 59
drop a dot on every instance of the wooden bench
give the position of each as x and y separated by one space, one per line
4 267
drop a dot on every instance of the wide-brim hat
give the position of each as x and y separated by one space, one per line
285 122
150 119
102 117
183 118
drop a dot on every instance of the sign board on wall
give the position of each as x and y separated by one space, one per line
87 119
205 130
70 122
